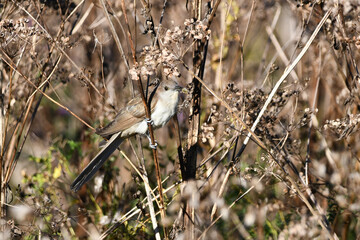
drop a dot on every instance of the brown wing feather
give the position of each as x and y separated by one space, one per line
133 113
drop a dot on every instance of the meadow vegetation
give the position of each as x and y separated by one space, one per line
265 144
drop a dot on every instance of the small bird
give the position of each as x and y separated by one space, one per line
132 120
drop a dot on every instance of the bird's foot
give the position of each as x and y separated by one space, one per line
153 146
149 120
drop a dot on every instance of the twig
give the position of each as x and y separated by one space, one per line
227 106
74 10
179 146
133 212
83 18
11 64
160 24
283 77
149 192
212 14
115 36
59 48
281 53
266 48
221 191
202 236
150 128
307 160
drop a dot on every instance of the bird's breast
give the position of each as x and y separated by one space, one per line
164 110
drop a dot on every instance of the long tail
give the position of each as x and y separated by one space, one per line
97 162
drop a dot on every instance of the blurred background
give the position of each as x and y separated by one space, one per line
79 55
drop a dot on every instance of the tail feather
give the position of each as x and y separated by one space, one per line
97 162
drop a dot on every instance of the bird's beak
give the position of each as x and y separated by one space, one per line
179 88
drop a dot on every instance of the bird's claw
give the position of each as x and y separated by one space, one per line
153 146
149 120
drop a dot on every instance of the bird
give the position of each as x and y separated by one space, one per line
131 120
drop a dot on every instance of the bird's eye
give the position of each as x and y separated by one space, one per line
166 88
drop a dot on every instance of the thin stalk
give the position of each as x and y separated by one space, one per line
150 128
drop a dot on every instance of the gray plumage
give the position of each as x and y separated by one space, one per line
129 121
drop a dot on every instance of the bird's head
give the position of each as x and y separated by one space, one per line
169 85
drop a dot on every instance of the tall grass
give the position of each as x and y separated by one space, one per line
264 145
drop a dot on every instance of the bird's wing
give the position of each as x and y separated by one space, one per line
133 113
